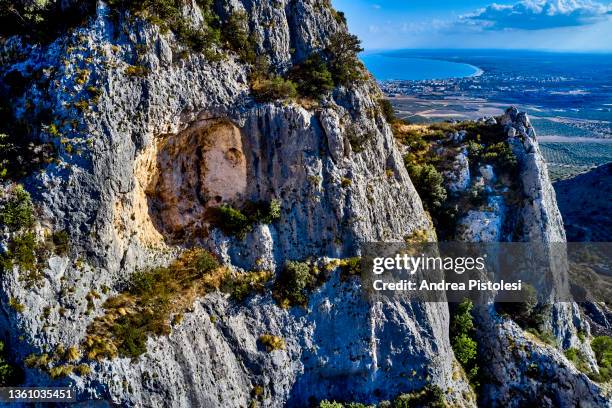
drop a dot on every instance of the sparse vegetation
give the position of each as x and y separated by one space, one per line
430 396
9 374
241 285
530 314
61 242
295 282
16 305
462 340
420 162
240 222
312 77
41 21
387 110
21 151
155 300
16 209
578 359
521 312
151 298
271 342
341 52
273 89
602 347
136 71
168 15
236 36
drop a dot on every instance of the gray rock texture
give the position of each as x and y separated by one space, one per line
140 165
154 152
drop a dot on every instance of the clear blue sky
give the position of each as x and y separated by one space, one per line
573 25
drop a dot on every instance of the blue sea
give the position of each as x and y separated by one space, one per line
398 66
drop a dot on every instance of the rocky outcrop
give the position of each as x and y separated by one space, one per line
162 144
519 367
151 137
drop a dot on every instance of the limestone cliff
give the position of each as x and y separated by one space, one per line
153 138
517 204
170 135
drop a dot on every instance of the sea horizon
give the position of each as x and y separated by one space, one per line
508 50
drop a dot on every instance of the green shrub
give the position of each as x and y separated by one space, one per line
430 396
273 89
263 212
133 339
294 284
501 155
240 222
462 340
330 404
16 212
235 34
602 347
272 342
465 348
312 77
387 110
8 373
168 15
520 312
351 266
241 285
341 52
429 183
61 242
231 221
22 251
578 359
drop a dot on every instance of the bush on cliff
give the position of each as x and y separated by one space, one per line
387 110
312 77
239 222
341 52
146 306
236 36
16 209
273 89
294 284
429 183
9 374
462 340
602 347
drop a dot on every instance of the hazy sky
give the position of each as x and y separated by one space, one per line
576 25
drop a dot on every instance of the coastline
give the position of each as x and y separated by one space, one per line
479 71
432 69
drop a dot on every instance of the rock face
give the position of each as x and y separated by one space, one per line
520 368
138 170
147 160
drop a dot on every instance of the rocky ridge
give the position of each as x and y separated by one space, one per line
127 205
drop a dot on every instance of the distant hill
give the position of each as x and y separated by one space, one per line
585 205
